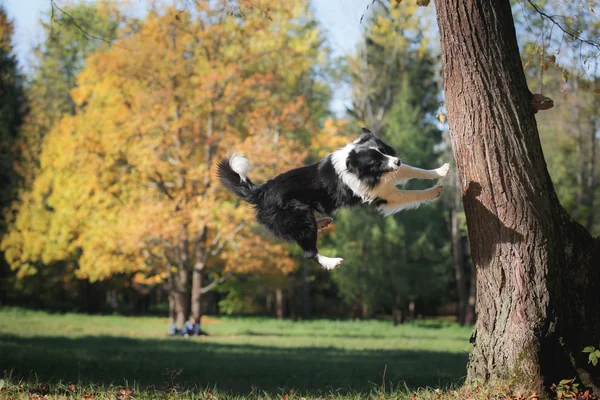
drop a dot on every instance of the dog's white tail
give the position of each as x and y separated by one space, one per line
240 165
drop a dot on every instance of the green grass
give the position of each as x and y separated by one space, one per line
245 356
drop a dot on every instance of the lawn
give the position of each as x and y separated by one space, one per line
242 355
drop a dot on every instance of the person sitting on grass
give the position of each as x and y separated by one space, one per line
191 328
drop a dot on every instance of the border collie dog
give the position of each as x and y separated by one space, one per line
364 171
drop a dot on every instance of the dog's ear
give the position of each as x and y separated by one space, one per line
352 164
366 131
366 135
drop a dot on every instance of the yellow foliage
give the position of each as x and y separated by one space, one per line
127 184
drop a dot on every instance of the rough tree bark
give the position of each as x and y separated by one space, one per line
459 266
471 314
538 271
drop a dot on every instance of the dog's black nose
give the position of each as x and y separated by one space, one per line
398 162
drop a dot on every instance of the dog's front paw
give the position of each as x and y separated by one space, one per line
443 170
437 190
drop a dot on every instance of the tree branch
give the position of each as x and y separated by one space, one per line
162 186
53 6
221 243
566 28
216 282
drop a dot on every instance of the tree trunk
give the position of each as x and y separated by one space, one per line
579 155
470 315
209 299
537 269
83 295
172 310
591 174
269 302
411 309
305 290
182 297
197 279
459 265
279 303
197 289
356 309
291 297
365 311
397 315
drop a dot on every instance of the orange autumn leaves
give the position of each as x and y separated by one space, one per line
127 183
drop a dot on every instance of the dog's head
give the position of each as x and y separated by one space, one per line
370 157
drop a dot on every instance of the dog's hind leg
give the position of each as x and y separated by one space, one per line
323 223
300 226
308 243
406 172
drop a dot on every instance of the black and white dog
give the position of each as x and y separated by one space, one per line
364 171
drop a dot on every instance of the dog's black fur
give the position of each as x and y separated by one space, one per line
287 203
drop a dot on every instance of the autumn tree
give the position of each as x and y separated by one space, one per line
127 180
12 111
537 268
55 65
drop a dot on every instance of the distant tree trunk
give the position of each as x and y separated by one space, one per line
365 311
397 314
83 295
269 302
209 299
182 298
579 147
356 309
459 265
411 309
291 297
591 173
200 258
279 303
537 269
197 278
305 290
172 310
4 273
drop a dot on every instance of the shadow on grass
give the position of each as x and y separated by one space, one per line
367 335
235 368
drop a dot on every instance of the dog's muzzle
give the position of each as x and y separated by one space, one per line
394 163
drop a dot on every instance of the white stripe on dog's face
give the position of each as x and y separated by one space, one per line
393 162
